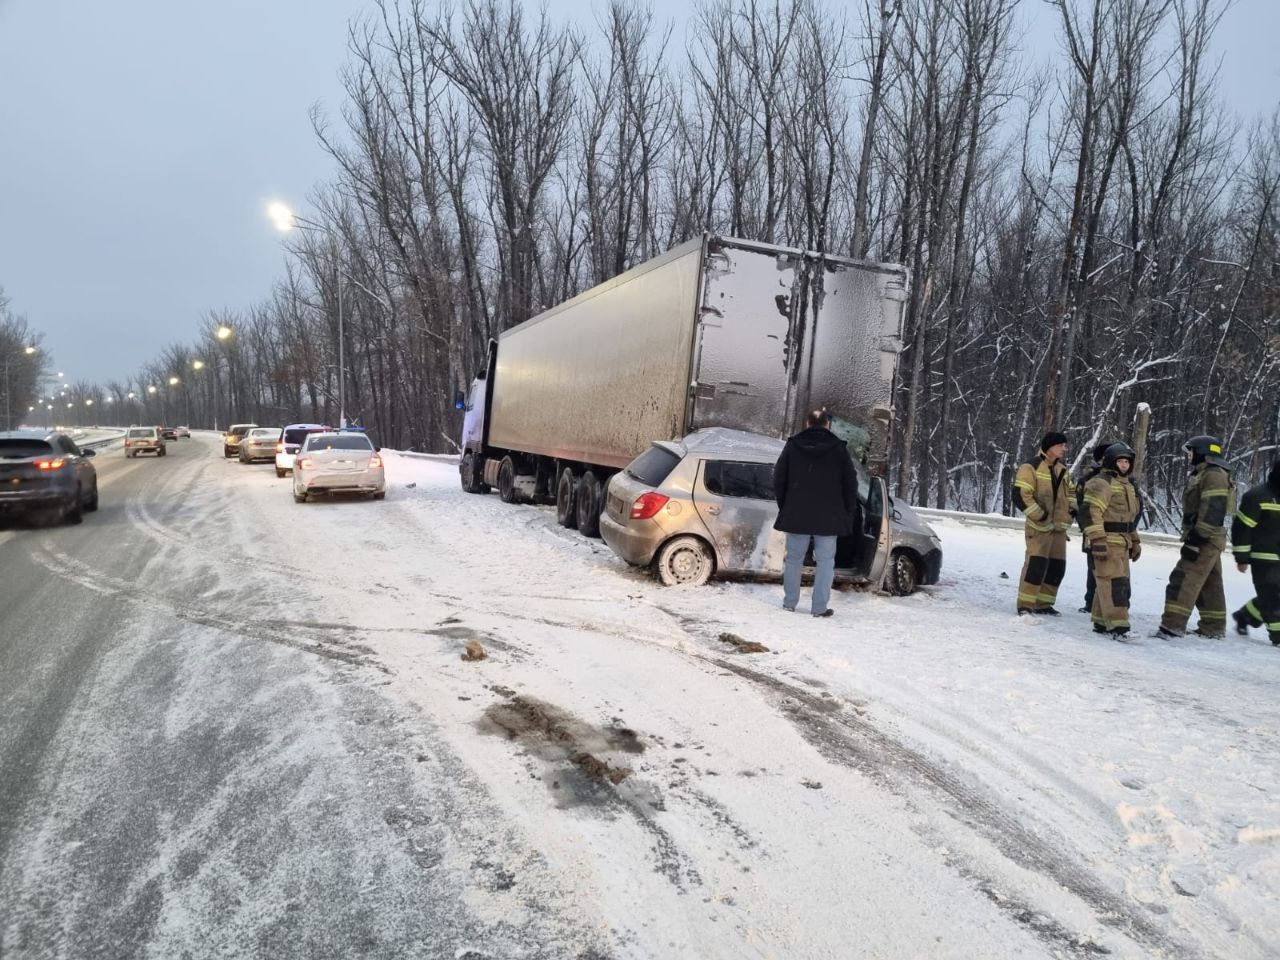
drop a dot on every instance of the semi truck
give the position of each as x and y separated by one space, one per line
717 332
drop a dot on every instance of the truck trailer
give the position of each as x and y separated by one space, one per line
717 332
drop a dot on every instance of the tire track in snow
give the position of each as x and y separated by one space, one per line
846 738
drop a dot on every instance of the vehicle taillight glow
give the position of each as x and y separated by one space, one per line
279 448
375 461
647 506
305 463
50 464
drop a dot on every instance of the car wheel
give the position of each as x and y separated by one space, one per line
566 512
92 505
588 504
75 513
904 574
279 474
299 497
163 452
507 480
380 495
684 562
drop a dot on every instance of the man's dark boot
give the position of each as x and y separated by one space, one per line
1164 633
1242 623
1047 611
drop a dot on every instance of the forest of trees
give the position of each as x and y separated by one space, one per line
1084 233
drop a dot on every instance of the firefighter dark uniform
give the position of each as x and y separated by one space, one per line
1255 540
1044 492
1111 506
1196 581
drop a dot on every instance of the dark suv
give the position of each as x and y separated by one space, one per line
43 471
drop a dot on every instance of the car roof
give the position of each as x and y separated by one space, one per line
28 434
727 443
307 426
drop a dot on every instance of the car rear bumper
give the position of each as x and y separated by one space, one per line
34 498
356 481
284 461
142 447
250 453
636 546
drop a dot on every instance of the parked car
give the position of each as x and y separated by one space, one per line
44 471
704 507
338 462
231 439
143 440
168 433
288 446
183 432
259 444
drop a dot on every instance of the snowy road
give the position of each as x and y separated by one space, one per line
236 726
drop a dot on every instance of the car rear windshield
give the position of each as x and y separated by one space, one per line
264 432
734 478
142 433
298 434
20 448
653 466
340 443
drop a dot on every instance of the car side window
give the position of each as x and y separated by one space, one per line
732 478
68 447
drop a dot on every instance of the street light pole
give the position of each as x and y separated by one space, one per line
8 414
284 220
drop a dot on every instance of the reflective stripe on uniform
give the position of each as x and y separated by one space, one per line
1170 605
1265 556
1253 610
1247 520
1270 506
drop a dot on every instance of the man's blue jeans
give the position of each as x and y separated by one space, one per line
824 552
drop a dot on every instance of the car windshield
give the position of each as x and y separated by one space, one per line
144 432
653 466
340 442
20 448
264 433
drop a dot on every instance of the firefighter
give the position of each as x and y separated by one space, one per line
1088 474
1196 581
1111 509
1255 541
1043 490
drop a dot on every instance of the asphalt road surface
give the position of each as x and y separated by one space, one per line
171 785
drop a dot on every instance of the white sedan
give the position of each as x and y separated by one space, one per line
338 463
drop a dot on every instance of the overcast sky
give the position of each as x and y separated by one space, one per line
141 139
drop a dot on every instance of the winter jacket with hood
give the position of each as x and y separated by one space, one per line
815 485
1255 532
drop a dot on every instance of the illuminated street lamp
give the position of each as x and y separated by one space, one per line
8 361
197 365
223 332
152 388
284 220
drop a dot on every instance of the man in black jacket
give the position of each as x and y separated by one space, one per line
817 492
1255 541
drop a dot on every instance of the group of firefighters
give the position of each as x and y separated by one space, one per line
1106 506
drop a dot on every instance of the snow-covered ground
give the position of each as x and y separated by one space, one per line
919 777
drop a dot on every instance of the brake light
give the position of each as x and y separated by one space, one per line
375 461
279 448
305 463
647 506
50 464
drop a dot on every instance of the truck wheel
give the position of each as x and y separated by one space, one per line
904 574
684 562
507 480
566 514
588 504
470 472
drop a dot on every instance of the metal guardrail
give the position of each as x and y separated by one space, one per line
1000 522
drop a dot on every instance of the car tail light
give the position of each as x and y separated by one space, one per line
279 448
305 463
50 464
647 506
375 461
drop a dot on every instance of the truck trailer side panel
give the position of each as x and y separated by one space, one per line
599 377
